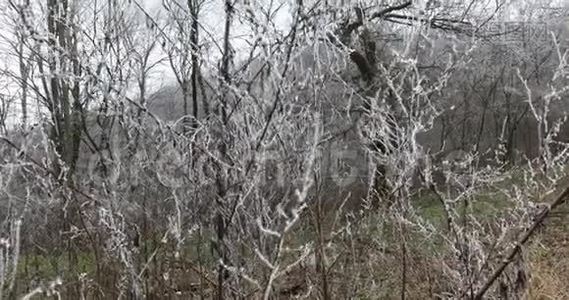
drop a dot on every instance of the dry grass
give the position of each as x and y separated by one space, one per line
550 261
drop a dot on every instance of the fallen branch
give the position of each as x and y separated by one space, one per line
540 218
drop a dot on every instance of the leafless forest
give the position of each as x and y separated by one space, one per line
284 149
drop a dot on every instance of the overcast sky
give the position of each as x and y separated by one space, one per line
211 19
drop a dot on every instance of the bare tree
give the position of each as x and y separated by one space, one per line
317 149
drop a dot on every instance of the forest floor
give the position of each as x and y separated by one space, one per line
549 259
377 268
